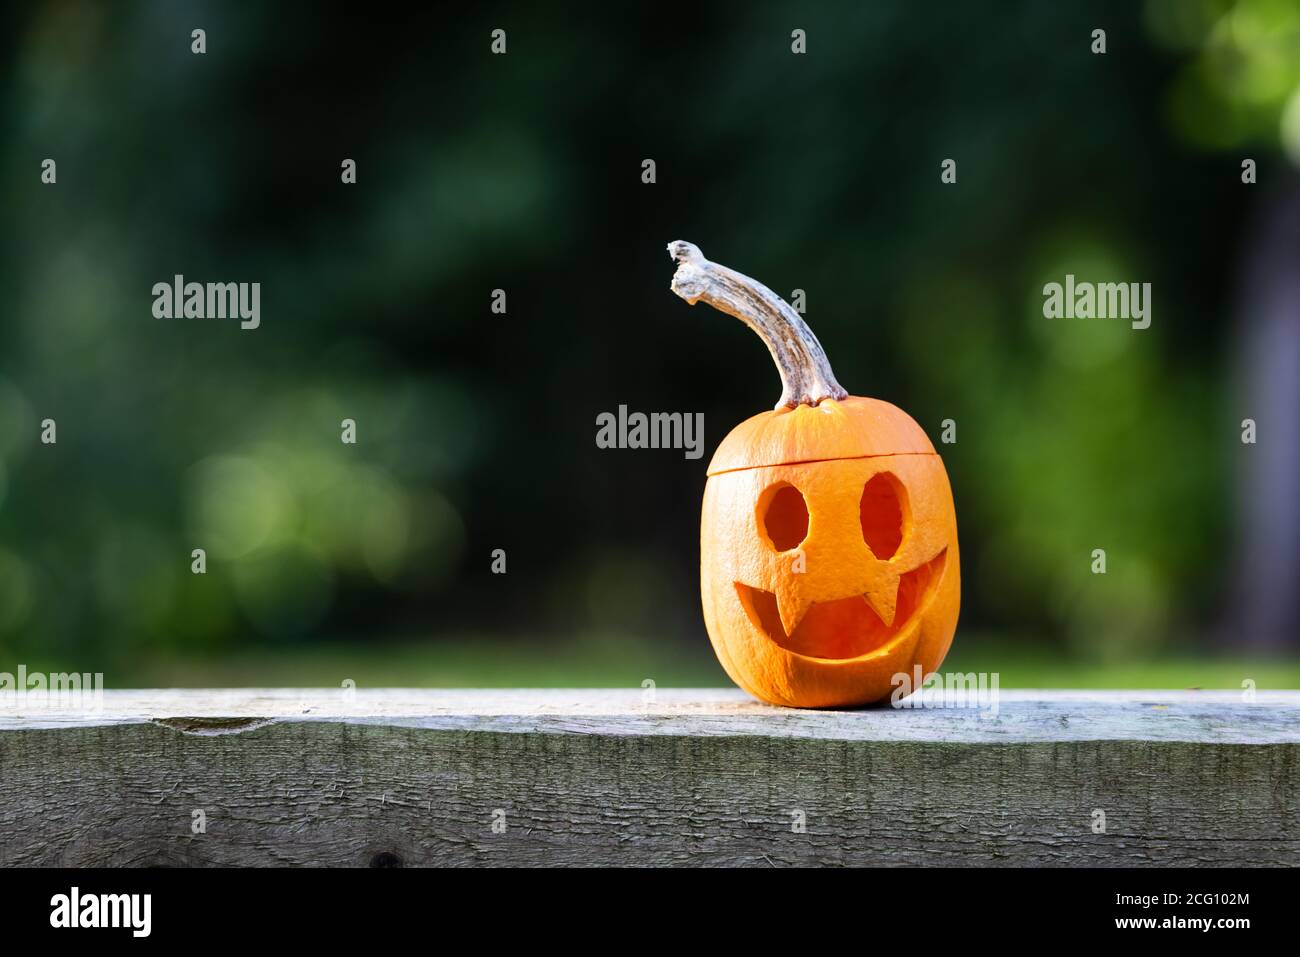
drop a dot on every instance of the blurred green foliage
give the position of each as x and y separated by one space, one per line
522 172
1241 85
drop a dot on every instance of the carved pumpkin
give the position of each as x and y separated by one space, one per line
828 539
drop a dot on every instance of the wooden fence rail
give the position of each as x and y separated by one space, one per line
410 777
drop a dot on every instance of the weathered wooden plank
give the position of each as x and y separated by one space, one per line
607 777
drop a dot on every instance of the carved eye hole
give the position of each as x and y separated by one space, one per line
783 516
882 511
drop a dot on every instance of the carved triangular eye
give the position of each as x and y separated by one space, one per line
783 516
883 512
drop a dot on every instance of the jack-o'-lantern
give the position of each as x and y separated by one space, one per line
828 539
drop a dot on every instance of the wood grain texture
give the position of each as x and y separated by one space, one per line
398 777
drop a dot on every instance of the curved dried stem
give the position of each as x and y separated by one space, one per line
806 376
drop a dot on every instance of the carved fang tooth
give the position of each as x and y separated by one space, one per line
883 597
791 608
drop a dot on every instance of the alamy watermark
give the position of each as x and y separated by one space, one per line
1104 300
179 299
60 691
655 430
130 911
951 690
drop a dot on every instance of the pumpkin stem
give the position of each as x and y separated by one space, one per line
806 376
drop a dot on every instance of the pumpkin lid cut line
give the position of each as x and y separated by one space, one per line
841 458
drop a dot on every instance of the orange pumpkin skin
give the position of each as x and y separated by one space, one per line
828 622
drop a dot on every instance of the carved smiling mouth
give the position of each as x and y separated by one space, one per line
846 627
